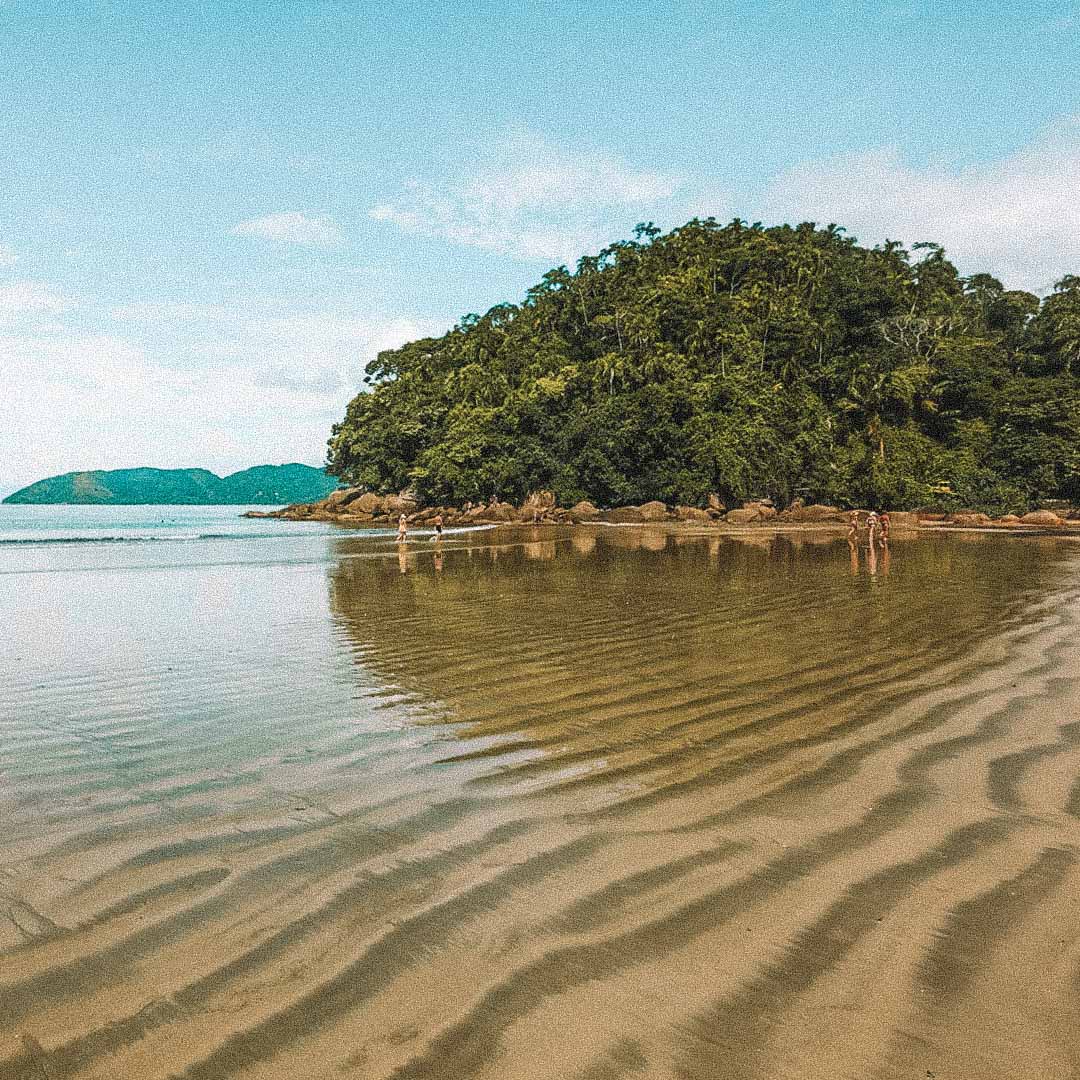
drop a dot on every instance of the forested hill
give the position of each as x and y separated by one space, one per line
742 360
263 484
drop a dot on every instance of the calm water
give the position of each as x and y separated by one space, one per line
286 800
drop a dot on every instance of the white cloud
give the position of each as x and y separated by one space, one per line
1017 218
7 256
238 392
533 200
31 297
292 227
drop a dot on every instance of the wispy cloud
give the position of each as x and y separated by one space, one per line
8 257
32 298
292 227
532 199
1018 217
246 389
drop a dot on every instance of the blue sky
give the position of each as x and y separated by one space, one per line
213 214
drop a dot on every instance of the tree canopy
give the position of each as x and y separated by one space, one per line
742 360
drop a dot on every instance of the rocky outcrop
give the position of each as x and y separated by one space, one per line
1041 517
654 511
355 506
583 511
693 515
815 513
967 518
902 520
747 515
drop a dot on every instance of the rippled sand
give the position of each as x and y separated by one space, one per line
583 804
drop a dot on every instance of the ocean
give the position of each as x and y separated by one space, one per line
291 800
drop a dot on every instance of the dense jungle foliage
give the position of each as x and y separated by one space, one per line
743 360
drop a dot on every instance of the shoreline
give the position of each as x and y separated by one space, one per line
355 508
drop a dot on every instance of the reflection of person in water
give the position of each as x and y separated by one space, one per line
438 562
403 560
871 557
853 548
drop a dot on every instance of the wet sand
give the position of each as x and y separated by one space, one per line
547 803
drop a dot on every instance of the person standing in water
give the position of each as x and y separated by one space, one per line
853 526
883 518
438 527
871 526
402 529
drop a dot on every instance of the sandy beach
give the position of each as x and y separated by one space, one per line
554 803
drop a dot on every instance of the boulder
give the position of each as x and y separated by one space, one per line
746 516
929 515
1008 519
693 514
399 504
367 503
967 518
1041 517
342 497
653 511
902 520
623 515
764 508
539 500
502 511
814 513
583 511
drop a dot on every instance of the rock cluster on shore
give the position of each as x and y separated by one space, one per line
356 506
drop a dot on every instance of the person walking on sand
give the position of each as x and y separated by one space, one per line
402 529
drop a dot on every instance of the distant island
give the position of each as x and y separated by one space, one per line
262 484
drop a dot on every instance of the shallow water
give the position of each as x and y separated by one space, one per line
602 802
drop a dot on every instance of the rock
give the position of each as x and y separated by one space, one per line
342 497
502 511
1041 517
815 512
1008 519
693 514
764 508
653 511
368 503
929 515
583 511
967 518
623 515
746 516
404 503
902 520
539 500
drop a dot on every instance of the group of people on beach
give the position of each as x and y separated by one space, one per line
877 527
403 528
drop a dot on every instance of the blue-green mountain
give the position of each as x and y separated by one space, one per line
263 484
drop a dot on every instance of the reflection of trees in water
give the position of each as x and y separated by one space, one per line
587 641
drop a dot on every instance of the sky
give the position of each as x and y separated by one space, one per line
214 214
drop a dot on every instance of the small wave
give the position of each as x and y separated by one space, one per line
165 538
